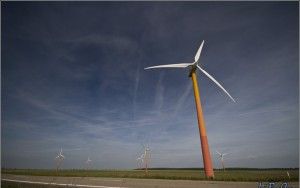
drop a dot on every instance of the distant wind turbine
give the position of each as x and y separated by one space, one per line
140 161
146 158
221 156
59 158
88 162
208 167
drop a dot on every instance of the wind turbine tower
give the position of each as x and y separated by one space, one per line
208 167
146 157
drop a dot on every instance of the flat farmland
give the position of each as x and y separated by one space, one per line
25 181
241 175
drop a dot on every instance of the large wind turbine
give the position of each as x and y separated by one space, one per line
192 73
221 156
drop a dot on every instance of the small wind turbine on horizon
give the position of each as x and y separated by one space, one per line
59 158
146 158
88 162
221 156
208 167
140 161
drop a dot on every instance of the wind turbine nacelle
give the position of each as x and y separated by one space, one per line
193 69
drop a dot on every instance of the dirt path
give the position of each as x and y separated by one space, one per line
96 182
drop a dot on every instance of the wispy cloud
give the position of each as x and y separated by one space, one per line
159 94
135 90
183 98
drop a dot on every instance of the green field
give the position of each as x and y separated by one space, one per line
183 174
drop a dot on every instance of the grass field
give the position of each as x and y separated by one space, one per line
183 174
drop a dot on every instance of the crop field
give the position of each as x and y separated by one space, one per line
178 174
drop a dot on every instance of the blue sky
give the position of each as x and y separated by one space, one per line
72 77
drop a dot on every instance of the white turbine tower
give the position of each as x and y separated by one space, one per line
208 167
59 158
146 158
221 156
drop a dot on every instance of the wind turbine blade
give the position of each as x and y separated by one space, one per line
219 153
216 82
225 154
197 56
179 65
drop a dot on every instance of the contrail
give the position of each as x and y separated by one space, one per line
136 87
